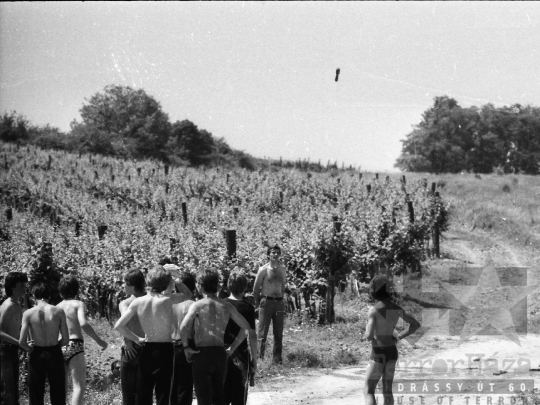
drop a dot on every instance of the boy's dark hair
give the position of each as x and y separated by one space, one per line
188 280
41 291
380 288
158 279
209 280
270 248
69 287
12 279
237 282
135 278
165 260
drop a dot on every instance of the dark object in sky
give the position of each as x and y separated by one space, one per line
337 74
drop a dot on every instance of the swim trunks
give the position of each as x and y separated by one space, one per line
384 354
73 348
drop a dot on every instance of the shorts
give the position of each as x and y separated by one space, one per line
73 348
384 354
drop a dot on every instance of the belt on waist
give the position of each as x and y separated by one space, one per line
7 344
273 298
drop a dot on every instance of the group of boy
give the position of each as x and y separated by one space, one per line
172 343
36 330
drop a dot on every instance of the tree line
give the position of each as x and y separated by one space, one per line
128 123
451 139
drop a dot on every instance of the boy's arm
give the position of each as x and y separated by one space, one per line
24 333
257 286
87 328
5 317
369 335
413 326
186 332
128 343
121 327
253 349
63 328
182 289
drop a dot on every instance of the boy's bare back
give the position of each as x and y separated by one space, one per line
74 310
133 324
10 318
211 318
155 314
45 322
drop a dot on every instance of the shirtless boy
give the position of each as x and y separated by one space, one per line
268 293
44 323
10 326
134 287
182 386
73 352
380 331
155 314
206 322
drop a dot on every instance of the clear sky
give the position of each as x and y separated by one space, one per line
261 75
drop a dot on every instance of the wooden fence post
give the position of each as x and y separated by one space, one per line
368 188
231 243
184 213
411 211
102 229
77 228
166 188
404 180
166 168
433 187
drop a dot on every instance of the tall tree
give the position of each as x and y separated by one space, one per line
189 143
132 120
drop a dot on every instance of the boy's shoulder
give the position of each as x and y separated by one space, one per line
8 305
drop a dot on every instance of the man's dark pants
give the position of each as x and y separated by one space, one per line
209 372
128 377
155 371
46 363
9 374
182 386
271 310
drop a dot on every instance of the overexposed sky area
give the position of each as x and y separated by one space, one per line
261 75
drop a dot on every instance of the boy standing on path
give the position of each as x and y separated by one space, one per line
380 331
268 293
44 323
73 351
155 313
10 326
134 287
206 322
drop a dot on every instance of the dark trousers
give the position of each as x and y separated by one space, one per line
128 377
9 374
209 371
271 311
235 384
46 363
182 385
155 372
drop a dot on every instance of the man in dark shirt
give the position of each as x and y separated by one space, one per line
240 365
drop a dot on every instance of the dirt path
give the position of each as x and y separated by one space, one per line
434 357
